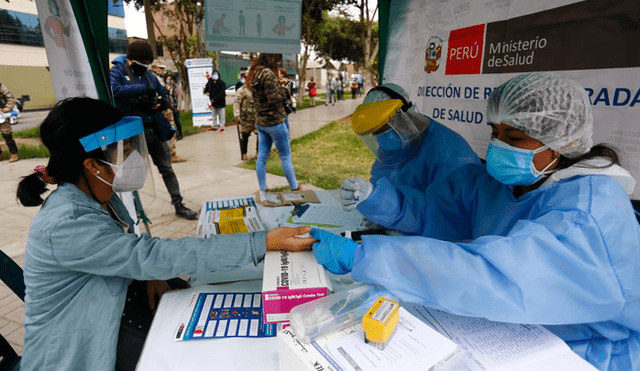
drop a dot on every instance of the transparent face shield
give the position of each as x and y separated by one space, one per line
387 130
125 150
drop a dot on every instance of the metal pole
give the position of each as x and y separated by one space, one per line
140 212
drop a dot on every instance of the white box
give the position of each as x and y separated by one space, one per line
290 279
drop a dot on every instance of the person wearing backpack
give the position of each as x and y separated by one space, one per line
137 92
245 117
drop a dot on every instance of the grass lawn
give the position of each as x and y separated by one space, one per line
31 148
27 151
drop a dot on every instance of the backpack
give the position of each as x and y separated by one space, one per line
247 109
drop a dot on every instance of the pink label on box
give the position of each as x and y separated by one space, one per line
279 302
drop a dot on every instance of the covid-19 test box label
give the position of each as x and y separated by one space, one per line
290 279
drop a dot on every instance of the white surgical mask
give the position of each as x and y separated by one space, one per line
131 175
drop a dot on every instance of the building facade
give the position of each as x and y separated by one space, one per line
24 67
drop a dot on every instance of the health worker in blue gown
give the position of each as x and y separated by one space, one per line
543 234
411 149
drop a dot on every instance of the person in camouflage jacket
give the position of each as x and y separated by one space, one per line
244 112
269 97
7 102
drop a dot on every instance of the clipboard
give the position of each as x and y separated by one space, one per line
286 198
329 216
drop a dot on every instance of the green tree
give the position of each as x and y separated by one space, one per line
341 39
368 39
311 31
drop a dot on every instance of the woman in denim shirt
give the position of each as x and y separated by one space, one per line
80 254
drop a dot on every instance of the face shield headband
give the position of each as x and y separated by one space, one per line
124 148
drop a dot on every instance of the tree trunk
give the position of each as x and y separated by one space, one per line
303 74
367 22
216 60
151 36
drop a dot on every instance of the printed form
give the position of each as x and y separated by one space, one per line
489 345
414 346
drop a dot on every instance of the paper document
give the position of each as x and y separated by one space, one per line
270 197
285 198
489 345
227 314
228 216
414 346
329 215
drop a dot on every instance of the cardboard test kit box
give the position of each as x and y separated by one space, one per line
290 279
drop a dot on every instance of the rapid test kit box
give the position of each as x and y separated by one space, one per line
290 279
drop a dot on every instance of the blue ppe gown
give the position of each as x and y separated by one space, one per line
566 256
439 152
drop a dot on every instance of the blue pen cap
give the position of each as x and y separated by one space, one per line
127 127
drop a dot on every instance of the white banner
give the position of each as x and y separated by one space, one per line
199 71
271 26
450 55
68 62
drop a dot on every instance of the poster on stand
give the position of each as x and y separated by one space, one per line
68 62
199 71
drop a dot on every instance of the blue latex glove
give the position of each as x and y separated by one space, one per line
353 191
334 252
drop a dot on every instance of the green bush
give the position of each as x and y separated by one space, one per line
30 133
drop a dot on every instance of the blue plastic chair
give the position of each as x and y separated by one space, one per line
11 275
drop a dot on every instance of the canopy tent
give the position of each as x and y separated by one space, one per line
92 22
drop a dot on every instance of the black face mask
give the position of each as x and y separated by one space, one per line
138 68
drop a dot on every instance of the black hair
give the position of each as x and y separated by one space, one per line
68 121
598 151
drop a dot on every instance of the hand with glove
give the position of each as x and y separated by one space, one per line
353 191
335 253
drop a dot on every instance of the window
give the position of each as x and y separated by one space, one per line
118 42
20 28
24 29
116 8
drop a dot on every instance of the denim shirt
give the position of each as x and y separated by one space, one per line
77 265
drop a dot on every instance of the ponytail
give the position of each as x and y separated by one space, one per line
598 151
30 190
60 132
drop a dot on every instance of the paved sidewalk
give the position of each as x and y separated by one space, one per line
210 172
